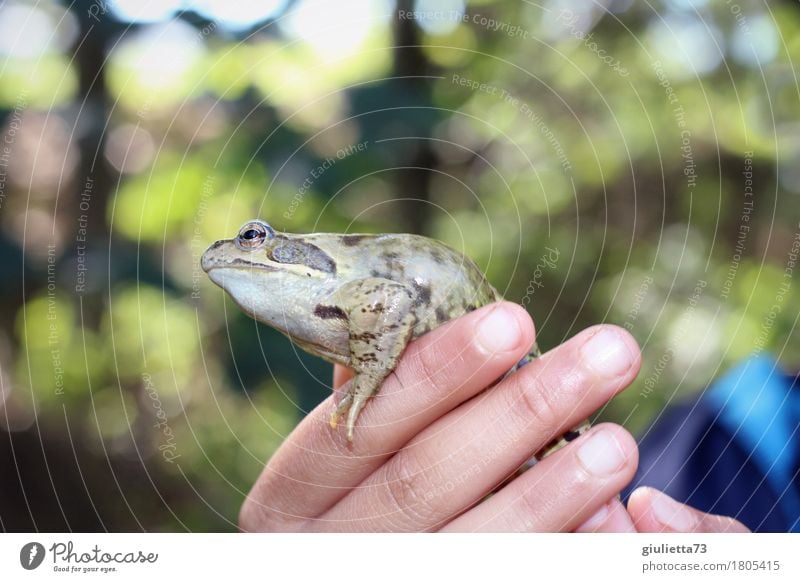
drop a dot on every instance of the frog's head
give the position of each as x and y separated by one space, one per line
263 270
249 250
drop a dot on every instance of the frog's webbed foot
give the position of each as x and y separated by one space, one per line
351 404
341 408
381 323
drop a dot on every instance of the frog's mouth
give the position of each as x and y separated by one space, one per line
209 263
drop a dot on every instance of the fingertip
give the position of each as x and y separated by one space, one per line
610 518
504 327
638 503
609 354
633 346
638 497
626 442
524 318
625 335
655 511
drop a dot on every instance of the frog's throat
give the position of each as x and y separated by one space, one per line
318 349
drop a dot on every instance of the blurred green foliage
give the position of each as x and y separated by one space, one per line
159 138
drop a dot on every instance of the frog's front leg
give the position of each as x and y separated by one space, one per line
381 321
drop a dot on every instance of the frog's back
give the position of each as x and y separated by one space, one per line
446 283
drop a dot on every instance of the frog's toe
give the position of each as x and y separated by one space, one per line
344 405
352 415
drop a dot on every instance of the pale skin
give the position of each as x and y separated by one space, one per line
433 444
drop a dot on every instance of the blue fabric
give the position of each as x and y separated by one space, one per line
733 451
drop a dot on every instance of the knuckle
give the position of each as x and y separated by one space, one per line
440 364
406 484
427 365
531 507
535 402
540 505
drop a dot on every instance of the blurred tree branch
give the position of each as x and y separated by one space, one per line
410 66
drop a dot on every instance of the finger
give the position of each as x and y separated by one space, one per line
341 375
460 458
316 467
653 511
610 518
562 491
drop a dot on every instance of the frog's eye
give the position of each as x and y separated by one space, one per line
253 234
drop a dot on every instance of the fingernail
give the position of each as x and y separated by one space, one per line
498 331
601 455
596 520
671 514
607 354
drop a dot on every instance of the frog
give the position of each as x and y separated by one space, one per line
356 300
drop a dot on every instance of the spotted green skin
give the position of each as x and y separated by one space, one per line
355 300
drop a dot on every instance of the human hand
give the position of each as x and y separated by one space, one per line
432 444
653 511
